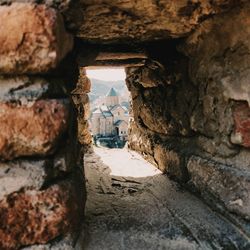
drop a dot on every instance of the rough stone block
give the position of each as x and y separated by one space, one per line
222 183
82 104
22 174
145 20
65 243
170 162
84 84
33 129
35 173
36 217
219 52
218 146
81 101
152 75
84 135
241 115
158 95
140 140
28 88
32 38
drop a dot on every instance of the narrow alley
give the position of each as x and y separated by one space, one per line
132 205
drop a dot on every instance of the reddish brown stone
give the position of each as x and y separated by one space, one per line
84 135
32 129
84 84
144 20
33 217
241 135
32 38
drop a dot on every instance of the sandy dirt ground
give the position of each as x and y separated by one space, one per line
132 206
124 162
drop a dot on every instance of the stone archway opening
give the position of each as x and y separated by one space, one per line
110 114
163 100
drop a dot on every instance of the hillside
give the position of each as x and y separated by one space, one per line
101 88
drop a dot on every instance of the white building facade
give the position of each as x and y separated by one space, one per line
110 119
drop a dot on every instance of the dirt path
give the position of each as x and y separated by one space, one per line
145 210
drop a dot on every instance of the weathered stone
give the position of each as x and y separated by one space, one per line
157 150
218 146
32 129
152 74
141 140
61 5
22 174
169 161
221 182
219 52
111 21
34 174
66 243
81 101
23 89
237 87
32 38
240 160
83 84
84 135
162 102
212 116
241 134
64 161
107 56
92 56
36 217
219 46
118 63
168 104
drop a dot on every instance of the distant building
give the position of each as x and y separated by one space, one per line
110 119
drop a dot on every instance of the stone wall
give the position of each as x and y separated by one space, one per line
112 21
191 112
81 101
190 104
163 98
219 67
42 183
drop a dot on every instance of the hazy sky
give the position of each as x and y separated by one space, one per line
108 74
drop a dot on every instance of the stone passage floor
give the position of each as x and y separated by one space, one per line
129 207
